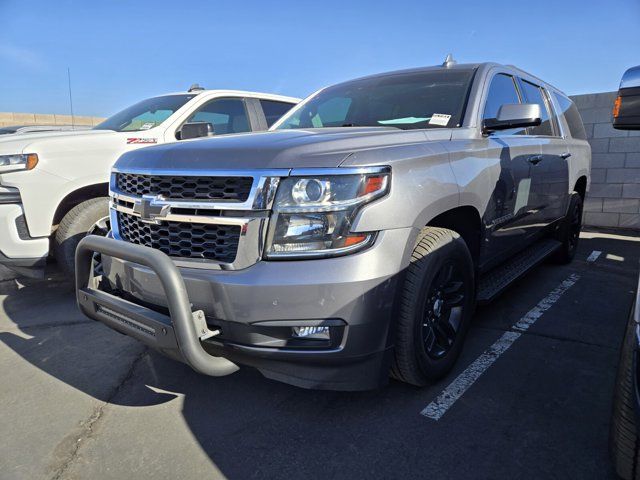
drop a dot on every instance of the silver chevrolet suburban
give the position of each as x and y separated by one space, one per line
350 242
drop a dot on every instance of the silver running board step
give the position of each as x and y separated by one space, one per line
495 281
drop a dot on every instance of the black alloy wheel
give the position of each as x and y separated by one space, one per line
435 307
443 311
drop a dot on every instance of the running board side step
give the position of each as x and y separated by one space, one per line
495 281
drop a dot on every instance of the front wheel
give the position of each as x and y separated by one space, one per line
90 217
436 305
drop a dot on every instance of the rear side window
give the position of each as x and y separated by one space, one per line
502 91
572 116
533 94
274 110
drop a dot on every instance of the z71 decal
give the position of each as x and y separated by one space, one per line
142 140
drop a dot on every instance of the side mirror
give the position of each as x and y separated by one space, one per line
196 130
514 115
626 109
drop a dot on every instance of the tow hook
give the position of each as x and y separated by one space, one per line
201 326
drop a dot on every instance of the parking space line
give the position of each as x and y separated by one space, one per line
594 256
438 407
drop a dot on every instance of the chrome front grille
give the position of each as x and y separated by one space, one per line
182 239
202 219
232 189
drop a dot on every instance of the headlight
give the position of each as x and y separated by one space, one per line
13 163
313 214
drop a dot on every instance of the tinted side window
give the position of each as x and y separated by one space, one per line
227 115
572 116
533 94
274 110
502 91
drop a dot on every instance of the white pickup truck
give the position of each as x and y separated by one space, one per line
54 185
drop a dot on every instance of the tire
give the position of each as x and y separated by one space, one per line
569 232
423 322
80 221
623 436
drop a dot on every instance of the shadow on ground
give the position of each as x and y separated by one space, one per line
249 426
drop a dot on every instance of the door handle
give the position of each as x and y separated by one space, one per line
534 159
565 155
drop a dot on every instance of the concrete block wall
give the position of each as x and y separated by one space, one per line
614 199
13 118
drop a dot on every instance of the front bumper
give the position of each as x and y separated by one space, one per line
17 249
255 309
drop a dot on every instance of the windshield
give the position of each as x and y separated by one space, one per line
426 99
144 115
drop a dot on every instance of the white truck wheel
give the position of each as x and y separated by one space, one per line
88 217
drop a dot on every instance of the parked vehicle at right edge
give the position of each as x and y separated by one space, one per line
352 240
624 438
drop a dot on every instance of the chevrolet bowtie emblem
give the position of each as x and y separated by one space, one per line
148 210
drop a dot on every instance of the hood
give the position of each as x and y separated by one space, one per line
18 143
321 147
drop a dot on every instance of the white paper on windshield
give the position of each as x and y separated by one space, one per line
147 126
395 121
440 119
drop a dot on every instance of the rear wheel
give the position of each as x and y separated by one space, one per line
90 217
569 232
435 308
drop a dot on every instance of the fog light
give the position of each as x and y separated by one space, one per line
311 332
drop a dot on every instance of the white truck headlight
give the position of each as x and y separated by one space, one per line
313 214
14 163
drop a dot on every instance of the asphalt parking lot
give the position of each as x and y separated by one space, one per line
530 398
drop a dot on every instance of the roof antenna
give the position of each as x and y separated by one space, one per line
195 88
449 61
70 98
